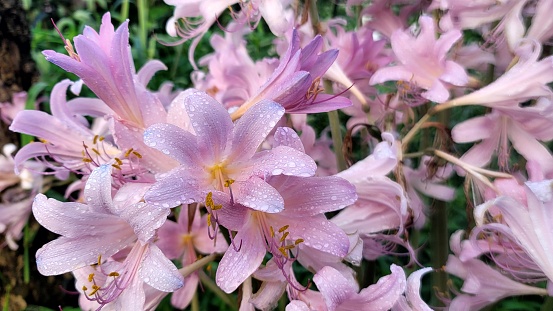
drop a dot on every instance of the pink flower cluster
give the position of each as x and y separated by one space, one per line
232 171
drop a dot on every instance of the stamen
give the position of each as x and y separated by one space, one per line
95 140
284 228
138 155
229 182
284 236
114 274
298 241
119 162
99 259
272 231
96 151
128 152
91 277
116 166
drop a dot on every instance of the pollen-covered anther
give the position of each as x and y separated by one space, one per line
284 236
229 182
284 228
128 152
95 288
298 241
114 274
91 277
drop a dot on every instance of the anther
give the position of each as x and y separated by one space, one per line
138 155
91 277
95 140
284 236
283 229
128 152
114 274
229 182
298 241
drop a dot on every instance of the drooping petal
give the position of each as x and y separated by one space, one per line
237 265
159 272
67 254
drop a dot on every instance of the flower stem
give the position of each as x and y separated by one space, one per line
208 282
336 132
197 265
195 305
26 266
547 304
314 15
143 25
124 10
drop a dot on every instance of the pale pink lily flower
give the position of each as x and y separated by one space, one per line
382 203
16 200
526 224
103 61
423 61
9 110
221 151
64 134
301 222
184 240
527 79
233 77
462 14
296 83
99 229
521 128
482 285
340 294
541 27
196 17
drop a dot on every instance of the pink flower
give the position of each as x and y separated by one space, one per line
101 228
8 110
482 285
64 134
340 294
506 126
221 151
301 222
423 61
526 226
296 82
103 61
526 80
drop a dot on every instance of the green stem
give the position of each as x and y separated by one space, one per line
439 242
314 15
195 302
26 244
6 305
176 60
143 24
336 132
124 10
208 282
196 265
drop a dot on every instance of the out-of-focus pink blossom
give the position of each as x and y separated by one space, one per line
423 61
9 110
482 285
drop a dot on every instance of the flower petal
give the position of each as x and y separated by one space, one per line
237 266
